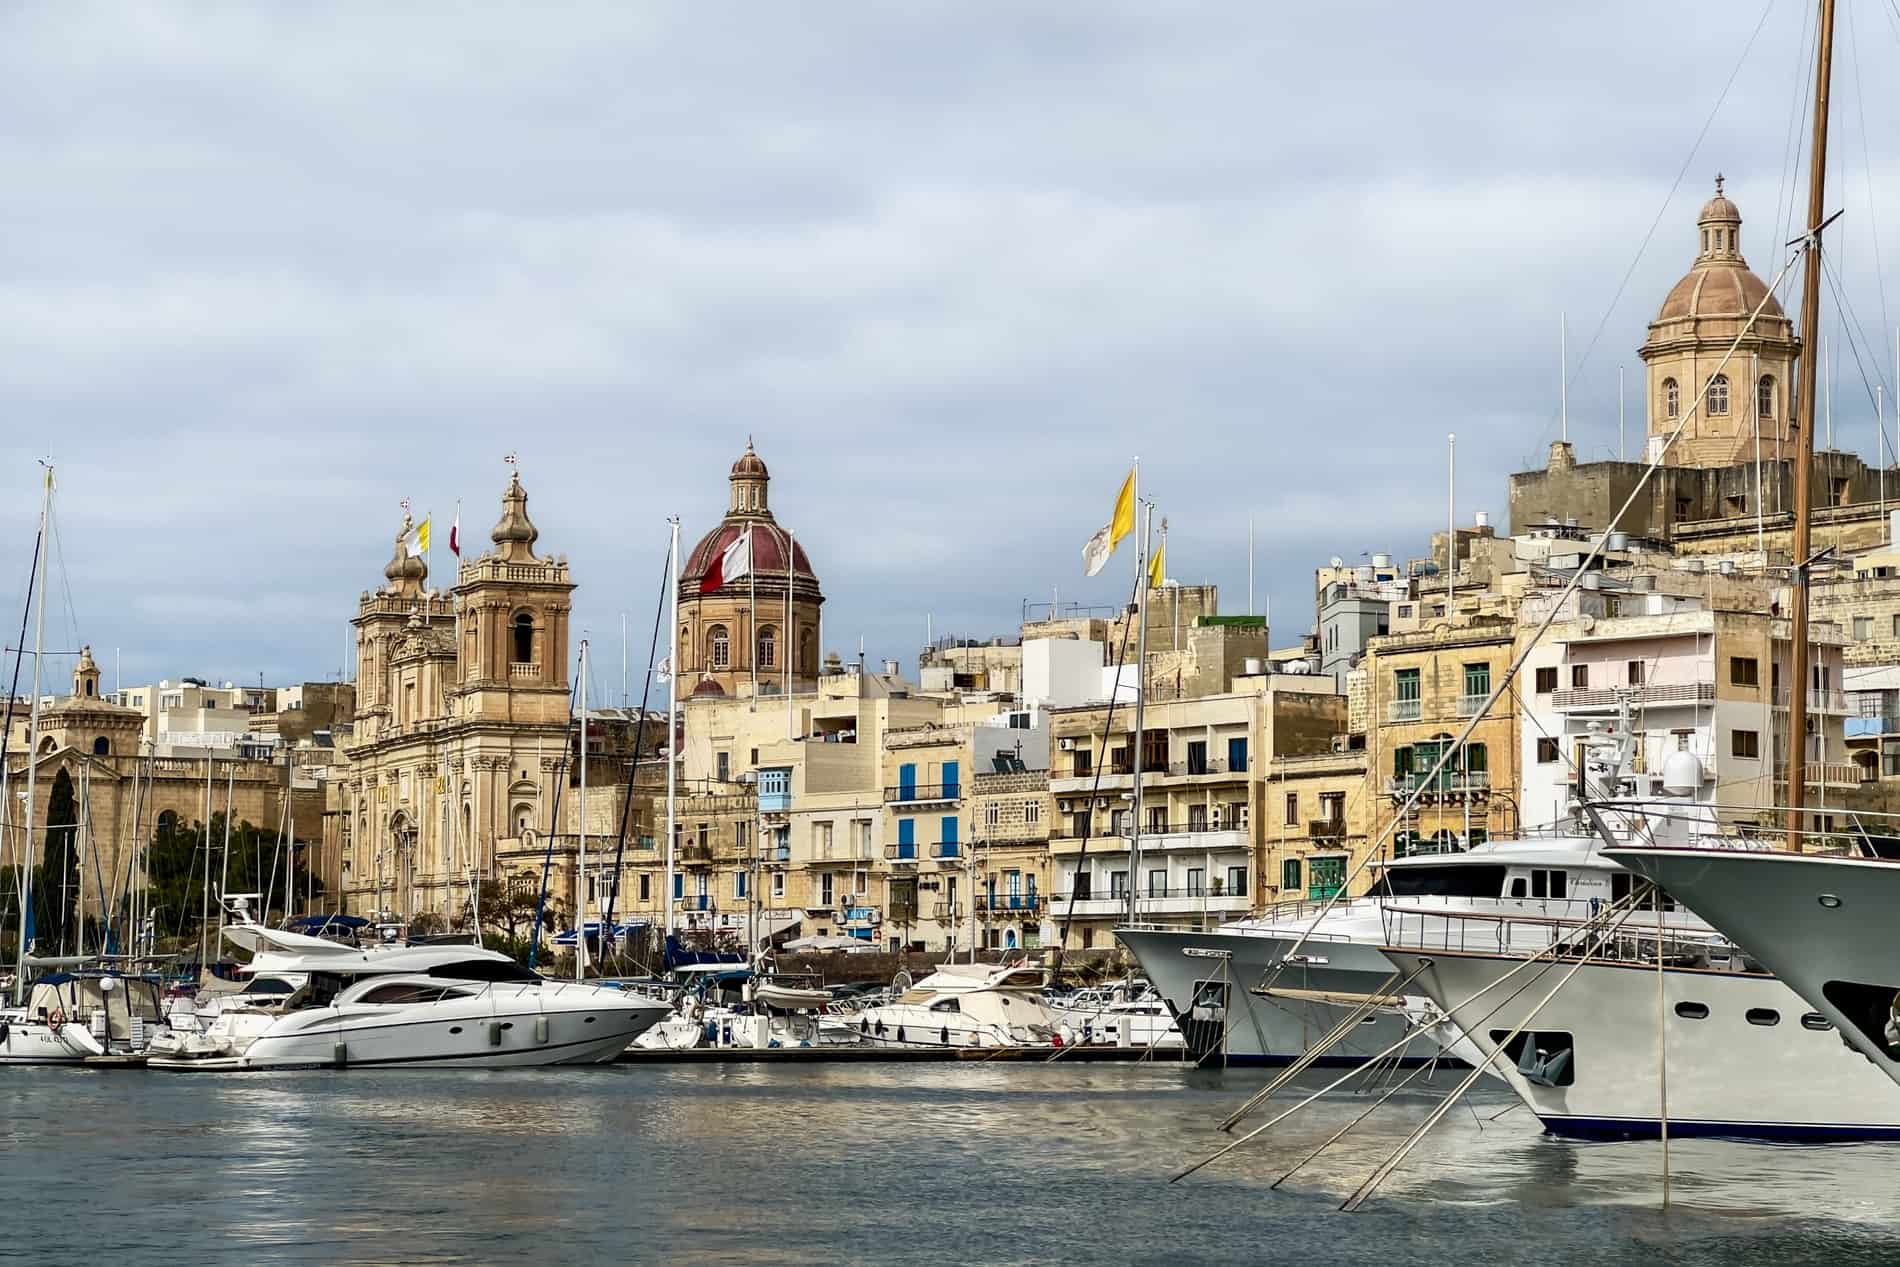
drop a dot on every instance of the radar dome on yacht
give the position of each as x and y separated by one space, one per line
1682 774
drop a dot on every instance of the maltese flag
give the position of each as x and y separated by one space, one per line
734 562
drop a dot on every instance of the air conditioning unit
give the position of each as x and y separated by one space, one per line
1217 818
1067 745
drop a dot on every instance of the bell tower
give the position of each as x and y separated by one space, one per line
86 675
515 605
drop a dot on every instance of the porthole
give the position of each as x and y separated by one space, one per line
1762 1016
507 1024
588 1021
1692 1011
1368 1020
1830 901
1814 1020
455 1029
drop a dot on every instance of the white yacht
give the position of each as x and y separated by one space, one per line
965 1005
1124 1013
69 1016
1822 924
1742 1054
1238 996
313 1002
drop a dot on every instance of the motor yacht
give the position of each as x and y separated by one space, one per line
965 1005
311 1001
1740 1053
1125 1013
1821 923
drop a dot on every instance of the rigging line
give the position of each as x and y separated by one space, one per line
1842 306
1792 149
65 577
1663 210
633 766
1867 170
6 731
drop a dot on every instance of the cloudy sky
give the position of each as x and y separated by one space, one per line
267 270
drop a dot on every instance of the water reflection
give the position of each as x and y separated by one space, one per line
892 1163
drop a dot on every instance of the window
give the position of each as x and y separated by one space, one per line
827 888
1635 672
1197 818
1477 680
1692 1011
1579 677
1863 628
778 884
1119 762
1547 679
1672 399
1718 394
1158 882
1084 763
722 766
1332 806
1154 751
1197 882
1547 751
1896 626
1762 1016
102 747
1083 884
646 887
524 638
906 838
1745 744
1237 756
822 837
1765 396
1815 1021
1032 813
1292 808
1118 884
1197 756
1290 874
718 648
1405 684
1237 882
992 815
1744 671
1477 759
768 647
1549 883
738 884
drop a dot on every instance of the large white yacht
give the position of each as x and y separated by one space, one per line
313 1002
965 1005
1822 924
1239 997
1742 1054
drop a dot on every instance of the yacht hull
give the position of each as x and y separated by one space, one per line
1823 925
1192 971
1775 1076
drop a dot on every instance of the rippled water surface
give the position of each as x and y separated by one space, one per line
874 1164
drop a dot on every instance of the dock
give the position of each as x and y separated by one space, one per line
897 1055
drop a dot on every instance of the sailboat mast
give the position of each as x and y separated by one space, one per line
672 717
1797 746
32 747
580 867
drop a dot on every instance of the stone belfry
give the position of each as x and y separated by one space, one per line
387 622
1745 402
515 606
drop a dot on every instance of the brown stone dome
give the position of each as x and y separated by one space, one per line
750 466
768 552
1718 288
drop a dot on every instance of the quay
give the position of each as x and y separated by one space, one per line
889 1055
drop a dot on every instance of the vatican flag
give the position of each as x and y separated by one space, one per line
1158 566
1100 546
422 537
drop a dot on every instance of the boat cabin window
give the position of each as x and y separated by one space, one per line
1814 1020
946 1005
483 970
1692 1011
1622 884
269 985
1762 1016
1549 883
1441 880
398 992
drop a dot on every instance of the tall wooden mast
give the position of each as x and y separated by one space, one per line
1797 683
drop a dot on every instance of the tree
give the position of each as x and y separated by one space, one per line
507 906
179 868
56 882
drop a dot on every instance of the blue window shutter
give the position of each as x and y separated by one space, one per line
949 828
679 884
950 778
906 831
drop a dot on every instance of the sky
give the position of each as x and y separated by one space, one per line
266 271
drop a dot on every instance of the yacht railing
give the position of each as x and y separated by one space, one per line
1527 934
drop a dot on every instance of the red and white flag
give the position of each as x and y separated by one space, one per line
733 562
455 533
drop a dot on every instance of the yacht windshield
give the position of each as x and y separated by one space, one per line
1443 880
483 970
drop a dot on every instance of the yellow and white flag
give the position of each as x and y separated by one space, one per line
418 542
1095 553
1158 566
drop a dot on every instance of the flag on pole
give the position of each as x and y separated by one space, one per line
1158 566
422 537
664 669
733 562
455 532
1121 523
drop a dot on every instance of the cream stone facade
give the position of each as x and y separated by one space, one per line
462 729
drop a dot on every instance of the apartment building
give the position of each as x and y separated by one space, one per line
1011 812
1322 812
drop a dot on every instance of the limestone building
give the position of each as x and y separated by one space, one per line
754 633
461 729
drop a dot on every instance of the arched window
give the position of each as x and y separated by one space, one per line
524 819
718 648
1672 400
48 744
686 647
807 662
102 747
768 647
1718 394
1765 396
92 688
167 822
524 638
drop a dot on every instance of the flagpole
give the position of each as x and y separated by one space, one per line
752 620
1250 565
785 652
672 715
1142 522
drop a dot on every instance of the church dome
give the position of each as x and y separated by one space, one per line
768 553
750 466
1719 284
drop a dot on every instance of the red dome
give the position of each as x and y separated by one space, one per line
768 551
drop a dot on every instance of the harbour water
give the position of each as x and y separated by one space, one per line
886 1164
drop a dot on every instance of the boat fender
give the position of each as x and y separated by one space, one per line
56 1022
943 1035
900 1033
540 1029
3 1033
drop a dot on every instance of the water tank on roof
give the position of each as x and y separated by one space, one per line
1381 560
1365 575
1250 667
1484 519
1296 666
1593 580
1726 567
1682 774
1619 541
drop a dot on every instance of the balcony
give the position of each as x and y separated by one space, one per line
1188 835
1450 783
908 794
1197 769
1325 829
695 902
1828 774
907 853
775 802
1871 727
947 911
1179 901
1472 705
693 853
1609 701
1402 710
1818 701
1006 905
524 670
946 849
